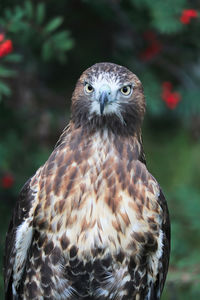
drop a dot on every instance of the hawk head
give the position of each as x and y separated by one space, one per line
108 95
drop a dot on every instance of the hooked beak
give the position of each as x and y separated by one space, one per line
103 99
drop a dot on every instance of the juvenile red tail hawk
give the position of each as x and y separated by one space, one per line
92 223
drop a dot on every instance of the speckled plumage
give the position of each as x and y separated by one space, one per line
92 223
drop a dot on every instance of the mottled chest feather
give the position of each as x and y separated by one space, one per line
97 199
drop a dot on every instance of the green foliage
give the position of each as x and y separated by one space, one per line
164 14
152 93
26 24
6 72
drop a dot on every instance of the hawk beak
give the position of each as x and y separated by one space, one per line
103 99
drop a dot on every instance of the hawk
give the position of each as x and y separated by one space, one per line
92 223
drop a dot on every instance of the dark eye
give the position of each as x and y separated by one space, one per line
126 90
89 88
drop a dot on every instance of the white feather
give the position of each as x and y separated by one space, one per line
24 236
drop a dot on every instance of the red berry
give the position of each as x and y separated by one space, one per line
149 35
187 14
185 19
151 51
171 99
5 48
1 37
7 181
167 85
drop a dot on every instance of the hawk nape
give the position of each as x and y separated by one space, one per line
92 223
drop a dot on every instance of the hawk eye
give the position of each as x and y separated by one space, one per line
126 90
88 88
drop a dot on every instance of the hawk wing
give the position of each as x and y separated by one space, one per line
18 240
156 289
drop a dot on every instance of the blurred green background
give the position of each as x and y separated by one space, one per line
46 45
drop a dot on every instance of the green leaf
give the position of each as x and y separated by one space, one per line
40 13
53 25
18 14
29 9
13 58
4 89
8 14
165 15
4 72
17 26
46 51
66 45
61 36
62 41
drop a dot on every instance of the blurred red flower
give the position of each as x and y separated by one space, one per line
170 98
7 181
149 35
2 37
187 14
167 86
6 48
154 47
151 51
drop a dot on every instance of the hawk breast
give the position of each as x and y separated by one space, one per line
100 207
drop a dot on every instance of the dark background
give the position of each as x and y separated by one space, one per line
53 43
